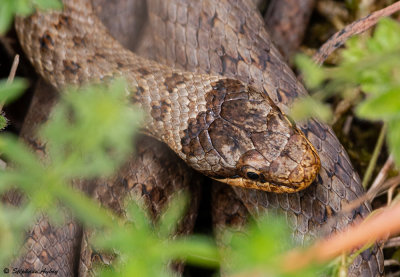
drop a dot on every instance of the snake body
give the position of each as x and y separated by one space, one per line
229 38
245 53
219 126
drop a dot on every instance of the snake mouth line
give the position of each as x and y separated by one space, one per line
267 186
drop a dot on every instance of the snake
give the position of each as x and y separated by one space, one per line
56 42
221 127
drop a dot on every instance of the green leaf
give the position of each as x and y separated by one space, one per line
6 15
386 36
195 250
48 4
23 7
12 230
136 213
174 212
99 138
313 74
257 249
10 8
85 208
257 253
307 107
3 122
383 106
10 91
17 153
354 51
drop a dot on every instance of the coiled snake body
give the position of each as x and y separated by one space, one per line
220 127
201 116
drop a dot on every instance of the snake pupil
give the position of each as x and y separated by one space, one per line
252 175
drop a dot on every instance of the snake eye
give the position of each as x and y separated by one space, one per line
252 175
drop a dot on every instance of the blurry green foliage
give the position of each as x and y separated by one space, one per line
79 144
92 124
258 251
3 122
145 248
9 92
306 107
10 8
371 64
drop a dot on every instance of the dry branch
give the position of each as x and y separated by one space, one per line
357 27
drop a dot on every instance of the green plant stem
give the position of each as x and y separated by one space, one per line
375 154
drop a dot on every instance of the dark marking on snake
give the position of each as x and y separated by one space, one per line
46 41
210 132
63 20
212 20
228 65
71 66
174 80
143 71
79 41
156 112
99 55
159 111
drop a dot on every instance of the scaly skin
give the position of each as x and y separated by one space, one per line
229 38
219 126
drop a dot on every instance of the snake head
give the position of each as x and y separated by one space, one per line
287 164
243 139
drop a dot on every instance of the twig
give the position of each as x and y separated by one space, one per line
11 75
394 274
389 184
374 158
347 125
391 262
390 194
3 164
13 70
395 181
357 27
380 178
393 242
10 79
